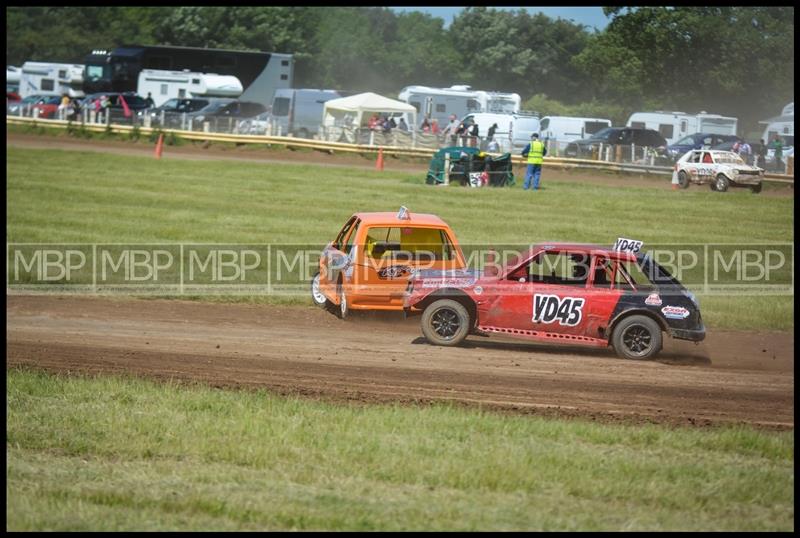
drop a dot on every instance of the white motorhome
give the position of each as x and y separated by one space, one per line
562 130
163 85
440 103
43 78
782 126
12 78
675 125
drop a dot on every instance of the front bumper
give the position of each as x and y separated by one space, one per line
694 335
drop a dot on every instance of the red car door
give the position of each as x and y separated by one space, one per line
547 293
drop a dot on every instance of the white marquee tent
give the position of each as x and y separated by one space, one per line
352 111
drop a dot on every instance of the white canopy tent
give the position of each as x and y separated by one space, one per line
351 111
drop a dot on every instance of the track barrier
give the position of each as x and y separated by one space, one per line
564 163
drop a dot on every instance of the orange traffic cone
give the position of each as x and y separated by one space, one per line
160 146
379 162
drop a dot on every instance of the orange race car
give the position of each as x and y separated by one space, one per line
368 265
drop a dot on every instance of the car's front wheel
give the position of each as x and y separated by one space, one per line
722 183
637 337
445 322
317 297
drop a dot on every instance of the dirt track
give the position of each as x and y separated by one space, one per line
731 377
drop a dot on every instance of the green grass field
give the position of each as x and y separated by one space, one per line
64 196
122 454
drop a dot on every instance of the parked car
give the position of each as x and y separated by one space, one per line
256 125
233 109
614 136
12 97
173 110
699 141
46 107
13 109
560 293
368 265
719 169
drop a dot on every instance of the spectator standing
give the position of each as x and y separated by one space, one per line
435 127
149 100
426 125
535 151
63 107
777 159
473 133
492 130
373 122
452 129
746 152
761 158
403 126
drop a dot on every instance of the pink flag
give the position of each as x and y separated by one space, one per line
125 109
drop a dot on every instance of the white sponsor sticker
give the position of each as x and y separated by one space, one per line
653 299
628 245
552 308
675 312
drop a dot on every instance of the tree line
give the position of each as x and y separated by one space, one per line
736 61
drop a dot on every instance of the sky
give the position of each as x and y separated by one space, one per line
590 16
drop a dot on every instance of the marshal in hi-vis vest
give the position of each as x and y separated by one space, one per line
536 153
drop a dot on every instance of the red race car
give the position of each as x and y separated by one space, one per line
563 293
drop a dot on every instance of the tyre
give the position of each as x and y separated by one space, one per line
755 189
713 186
637 337
683 179
317 297
722 183
445 322
344 306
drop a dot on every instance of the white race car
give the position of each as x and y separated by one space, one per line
720 169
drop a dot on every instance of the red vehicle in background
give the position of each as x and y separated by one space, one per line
12 97
47 107
560 293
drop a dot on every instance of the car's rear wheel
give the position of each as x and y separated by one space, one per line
722 183
445 322
755 189
683 179
637 337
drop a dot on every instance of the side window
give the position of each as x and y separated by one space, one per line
351 238
684 126
603 273
440 108
339 241
637 125
665 130
406 243
707 158
561 268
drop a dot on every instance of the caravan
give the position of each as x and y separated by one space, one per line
782 126
12 79
41 78
164 85
675 125
440 103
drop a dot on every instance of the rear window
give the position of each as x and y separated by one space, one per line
280 106
591 127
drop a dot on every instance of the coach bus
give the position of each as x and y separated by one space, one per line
260 73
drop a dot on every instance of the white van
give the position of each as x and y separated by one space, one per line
675 125
513 131
562 130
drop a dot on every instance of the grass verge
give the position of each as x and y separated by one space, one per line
157 456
